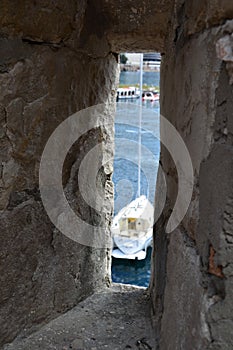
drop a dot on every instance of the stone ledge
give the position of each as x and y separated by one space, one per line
114 318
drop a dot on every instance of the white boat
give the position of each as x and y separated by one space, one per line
150 96
118 254
132 230
128 93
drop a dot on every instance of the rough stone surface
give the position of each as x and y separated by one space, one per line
60 57
56 59
96 27
46 21
42 272
183 321
118 318
189 263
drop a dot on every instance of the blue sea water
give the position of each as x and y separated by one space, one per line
132 272
132 78
126 160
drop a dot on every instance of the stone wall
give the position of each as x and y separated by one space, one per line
42 272
191 288
56 59
60 57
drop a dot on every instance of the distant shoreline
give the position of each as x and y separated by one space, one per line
145 87
135 68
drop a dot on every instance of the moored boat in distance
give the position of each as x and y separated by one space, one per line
130 92
150 96
132 230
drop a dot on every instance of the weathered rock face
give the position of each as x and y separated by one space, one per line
43 273
96 27
50 22
192 280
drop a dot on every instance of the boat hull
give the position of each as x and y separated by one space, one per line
131 246
118 254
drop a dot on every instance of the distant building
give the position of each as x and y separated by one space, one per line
133 58
152 57
152 60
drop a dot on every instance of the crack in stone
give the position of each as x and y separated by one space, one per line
56 45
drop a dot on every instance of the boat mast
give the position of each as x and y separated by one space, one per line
139 126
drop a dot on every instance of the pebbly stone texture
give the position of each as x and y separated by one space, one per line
118 318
